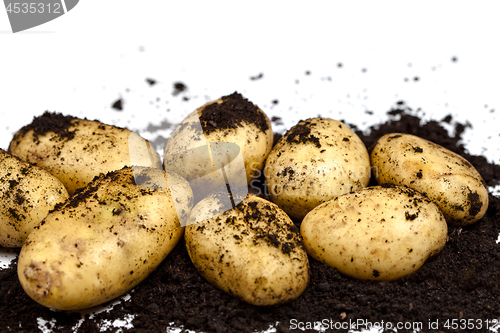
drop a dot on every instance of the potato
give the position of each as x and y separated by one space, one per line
104 240
379 233
315 161
253 252
444 176
27 194
76 150
224 141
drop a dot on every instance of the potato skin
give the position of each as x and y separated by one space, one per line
379 233
444 176
76 150
315 161
27 194
253 252
250 130
101 243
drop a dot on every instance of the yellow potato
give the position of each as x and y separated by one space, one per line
76 150
104 240
379 233
253 252
194 149
27 194
315 161
444 176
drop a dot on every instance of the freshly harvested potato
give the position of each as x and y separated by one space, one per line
104 240
315 161
76 150
27 194
379 233
253 251
444 176
196 148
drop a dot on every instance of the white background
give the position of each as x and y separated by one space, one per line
100 51
83 61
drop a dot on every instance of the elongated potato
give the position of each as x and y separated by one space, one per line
315 161
27 194
230 133
104 240
444 176
253 251
379 233
76 150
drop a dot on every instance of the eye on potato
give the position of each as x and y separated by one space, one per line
253 251
444 176
76 150
379 233
104 240
27 194
192 149
315 161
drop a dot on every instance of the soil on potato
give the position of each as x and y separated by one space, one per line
461 283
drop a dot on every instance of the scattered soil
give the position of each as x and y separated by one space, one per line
257 77
118 105
277 120
460 283
178 88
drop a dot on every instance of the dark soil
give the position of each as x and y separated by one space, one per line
49 122
118 105
257 77
230 114
461 283
301 133
178 88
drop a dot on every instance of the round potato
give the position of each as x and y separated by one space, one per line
27 194
315 161
444 176
224 141
104 240
76 150
379 233
253 251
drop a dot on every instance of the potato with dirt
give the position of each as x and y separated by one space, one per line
252 251
445 177
76 150
27 194
104 240
381 233
315 161
224 141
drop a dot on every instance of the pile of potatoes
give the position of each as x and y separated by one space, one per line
318 173
96 211
91 207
